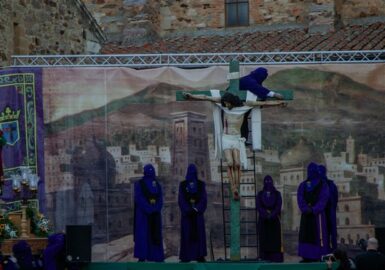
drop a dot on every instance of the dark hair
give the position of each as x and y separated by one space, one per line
232 99
342 256
362 244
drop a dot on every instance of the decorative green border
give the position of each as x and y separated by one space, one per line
16 205
24 84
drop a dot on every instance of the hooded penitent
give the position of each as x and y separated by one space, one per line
54 253
192 200
147 221
312 198
269 204
23 253
253 83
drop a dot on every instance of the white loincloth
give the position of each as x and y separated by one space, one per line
235 142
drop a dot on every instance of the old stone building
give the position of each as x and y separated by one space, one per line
152 26
190 137
120 17
185 25
47 27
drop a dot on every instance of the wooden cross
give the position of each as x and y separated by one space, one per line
235 249
233 87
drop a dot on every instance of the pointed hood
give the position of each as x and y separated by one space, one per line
192 178
260 74
149 178
268 183
313 177
323 172
269 194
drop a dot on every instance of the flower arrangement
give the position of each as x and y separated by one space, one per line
40 225
8 230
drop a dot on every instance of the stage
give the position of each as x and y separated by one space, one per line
206 266
89 153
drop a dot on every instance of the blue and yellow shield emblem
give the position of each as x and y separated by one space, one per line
10 131
9 124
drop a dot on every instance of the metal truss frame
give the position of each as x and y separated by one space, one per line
197 59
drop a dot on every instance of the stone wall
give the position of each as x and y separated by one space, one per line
278 12
6 43
199 14
127 21
58 27
43 27
190 15
321 15
136 21
350 10
121 17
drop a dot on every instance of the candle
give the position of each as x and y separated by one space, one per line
25 172
16 182
33 181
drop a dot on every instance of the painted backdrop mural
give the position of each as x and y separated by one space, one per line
103 125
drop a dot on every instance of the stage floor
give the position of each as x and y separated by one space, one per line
206 266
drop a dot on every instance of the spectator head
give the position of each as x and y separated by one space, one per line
23 253
362 244
340 254
342 257
372 244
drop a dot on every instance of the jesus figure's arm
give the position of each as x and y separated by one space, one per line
189 96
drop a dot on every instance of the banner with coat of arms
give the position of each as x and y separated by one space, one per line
21 121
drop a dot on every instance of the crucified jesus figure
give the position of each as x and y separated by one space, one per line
233 145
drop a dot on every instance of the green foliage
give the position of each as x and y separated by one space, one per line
8 230
40 226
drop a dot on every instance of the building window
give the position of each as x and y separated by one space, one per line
347 221
346 208
237 12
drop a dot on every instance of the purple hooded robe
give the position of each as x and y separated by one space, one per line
312 198
253 83
54 253
147 220
269 204
192 199
23 253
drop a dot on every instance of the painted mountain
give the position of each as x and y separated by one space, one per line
326 105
